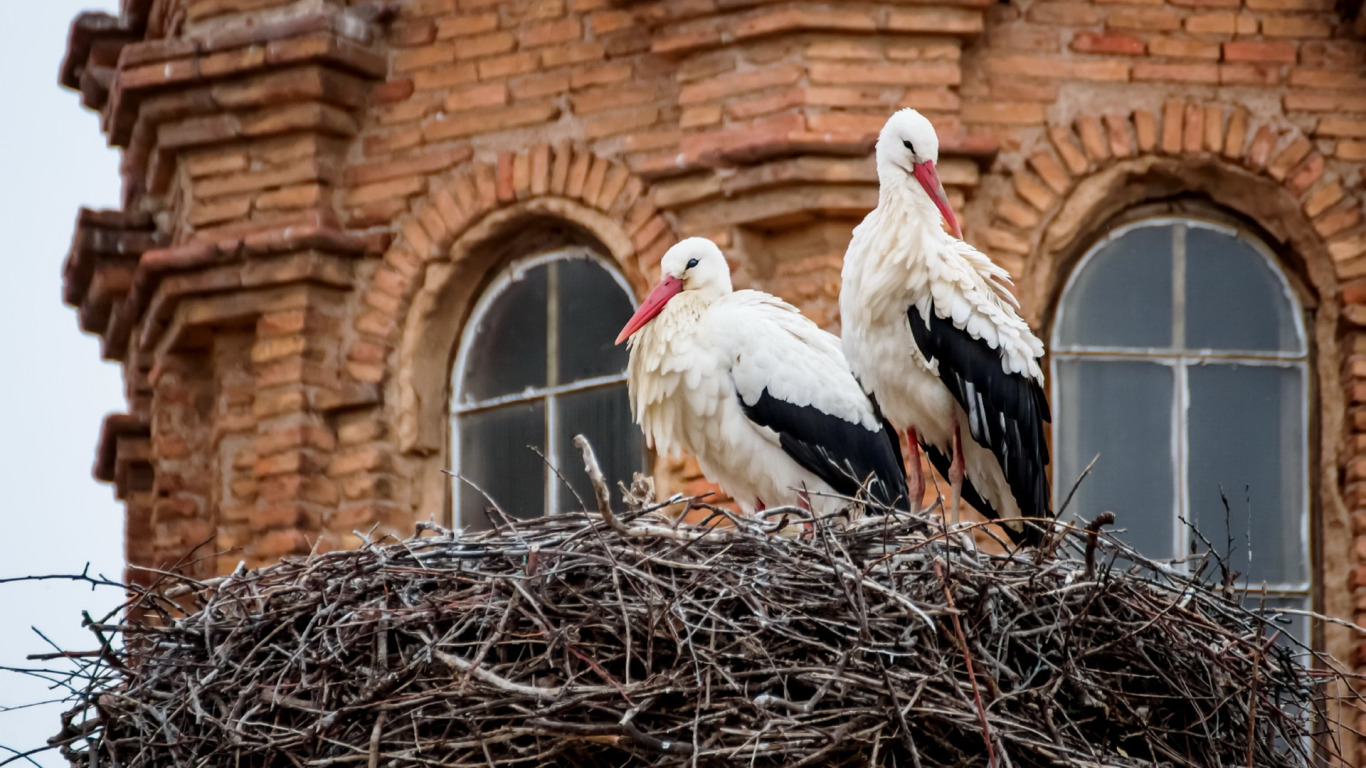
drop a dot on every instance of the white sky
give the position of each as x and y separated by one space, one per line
54 389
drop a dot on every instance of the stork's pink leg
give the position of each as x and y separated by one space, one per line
915 478
759 505
804 501
957 468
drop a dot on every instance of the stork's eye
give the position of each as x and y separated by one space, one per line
907 145
691 263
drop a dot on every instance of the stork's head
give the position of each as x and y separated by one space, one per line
694 265
907 151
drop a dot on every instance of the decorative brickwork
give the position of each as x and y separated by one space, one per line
315 191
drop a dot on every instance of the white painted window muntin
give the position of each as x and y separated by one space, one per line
461 405
1180 361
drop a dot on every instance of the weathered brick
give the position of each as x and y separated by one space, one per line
1008 113
487 121
1107 42
573 53
1221 23
466 25
424 58
1145 130
1017 65
1348 127
507 65
1143 19
550 33
1260 51
1066 14
1176 73
1351 151
599 74
1322 199
1297 27
1119 133
1214 128
1288 157
539 86
1183 48
1260 149
729 85
1236 136
622 121
1328 79
477 97
840 73
1051 171
1065 142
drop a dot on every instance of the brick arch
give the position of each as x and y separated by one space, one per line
460 200
1044 208
418 297
1272 174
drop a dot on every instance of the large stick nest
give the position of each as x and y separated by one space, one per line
585 639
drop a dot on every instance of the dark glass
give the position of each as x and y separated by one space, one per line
1235 299
593 309
494 454
1122 411
508 352
603 415
1123 296
1246 436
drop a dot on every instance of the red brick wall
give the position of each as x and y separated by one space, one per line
314 192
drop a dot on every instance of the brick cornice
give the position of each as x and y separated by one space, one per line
92 53
315 254
125 440
100 266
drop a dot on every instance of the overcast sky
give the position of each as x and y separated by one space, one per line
54 389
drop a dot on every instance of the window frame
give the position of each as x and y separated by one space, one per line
549 394
1180 360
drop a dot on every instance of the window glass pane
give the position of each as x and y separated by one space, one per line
593 309
494 455
1121 410
1236 299
1123 296
1247 436
604 416
508 352
1291 625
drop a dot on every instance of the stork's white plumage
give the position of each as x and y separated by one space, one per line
931 330
756 391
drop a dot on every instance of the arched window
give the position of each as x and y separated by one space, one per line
1179 356
536 366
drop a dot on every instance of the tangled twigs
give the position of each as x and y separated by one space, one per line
611 639
967 661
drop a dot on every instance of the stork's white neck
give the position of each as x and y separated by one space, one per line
916 212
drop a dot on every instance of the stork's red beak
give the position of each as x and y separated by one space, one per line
668 288
928 177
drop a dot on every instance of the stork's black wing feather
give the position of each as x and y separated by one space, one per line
843 454
1006 411
1032 535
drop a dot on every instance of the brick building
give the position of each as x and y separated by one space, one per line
362 243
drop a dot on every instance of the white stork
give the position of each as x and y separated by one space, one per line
933 333
756 391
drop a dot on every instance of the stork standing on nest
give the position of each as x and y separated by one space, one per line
933 332
756 391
